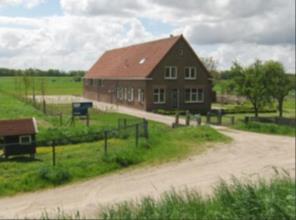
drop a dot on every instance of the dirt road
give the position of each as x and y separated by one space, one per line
248 156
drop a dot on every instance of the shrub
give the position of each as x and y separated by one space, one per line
54 175
125 157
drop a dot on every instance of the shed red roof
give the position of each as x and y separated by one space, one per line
136 61
18 127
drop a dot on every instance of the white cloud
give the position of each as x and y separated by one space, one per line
225 29
26 3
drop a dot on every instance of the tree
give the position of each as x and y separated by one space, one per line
279 83
252 82
211 65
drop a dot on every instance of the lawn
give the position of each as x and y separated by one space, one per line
54 85
87 159
273 199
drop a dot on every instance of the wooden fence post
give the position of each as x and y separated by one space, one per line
219 117
137 135
246 120
44 106
106 142
87 120
177 118
208 118
53 154
232 120
187 118
145 125
61 118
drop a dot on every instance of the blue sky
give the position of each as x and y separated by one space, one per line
71 34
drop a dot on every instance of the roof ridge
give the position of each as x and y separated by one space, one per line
147 42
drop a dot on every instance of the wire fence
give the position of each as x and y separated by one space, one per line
126 129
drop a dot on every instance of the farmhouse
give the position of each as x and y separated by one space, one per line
18 136
162 74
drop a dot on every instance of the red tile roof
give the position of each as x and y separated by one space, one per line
136 61
18 127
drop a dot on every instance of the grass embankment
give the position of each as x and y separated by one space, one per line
239 200
266 128
84 160
64 85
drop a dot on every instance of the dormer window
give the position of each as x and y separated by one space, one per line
170 72
190 72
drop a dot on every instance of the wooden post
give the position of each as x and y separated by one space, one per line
106 142
247 119
198 120
208 118
53 154
219 117
177 118
137 135
145 124
187 118
87 120
232 120
118 123
61 118
44 106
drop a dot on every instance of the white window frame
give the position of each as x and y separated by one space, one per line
190 77
157 92
141 95
196 94
25 136
125 94
119 93
170 77
130 94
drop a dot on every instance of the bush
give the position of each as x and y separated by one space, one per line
125 157
54 175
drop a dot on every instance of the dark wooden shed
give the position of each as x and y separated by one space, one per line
18 136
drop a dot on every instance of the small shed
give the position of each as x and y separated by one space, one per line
18 136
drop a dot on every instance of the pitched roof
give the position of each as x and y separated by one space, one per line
18 127
136 61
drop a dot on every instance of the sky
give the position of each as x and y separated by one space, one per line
72 34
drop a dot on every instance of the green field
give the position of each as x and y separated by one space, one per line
87 159
54 85
238 200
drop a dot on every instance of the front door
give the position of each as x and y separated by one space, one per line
175 98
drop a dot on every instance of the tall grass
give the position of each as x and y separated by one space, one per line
272 200
267 128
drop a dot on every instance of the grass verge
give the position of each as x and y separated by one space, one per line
238 200
82 161
267 128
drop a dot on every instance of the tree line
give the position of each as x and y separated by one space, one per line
39 72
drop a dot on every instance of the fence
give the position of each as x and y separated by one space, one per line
125 129
276 120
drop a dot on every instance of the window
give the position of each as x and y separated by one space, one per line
190 72
194 95
125 94
130 94
170 72
99 82
140 95
25 139
120 93
180 52
159 96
